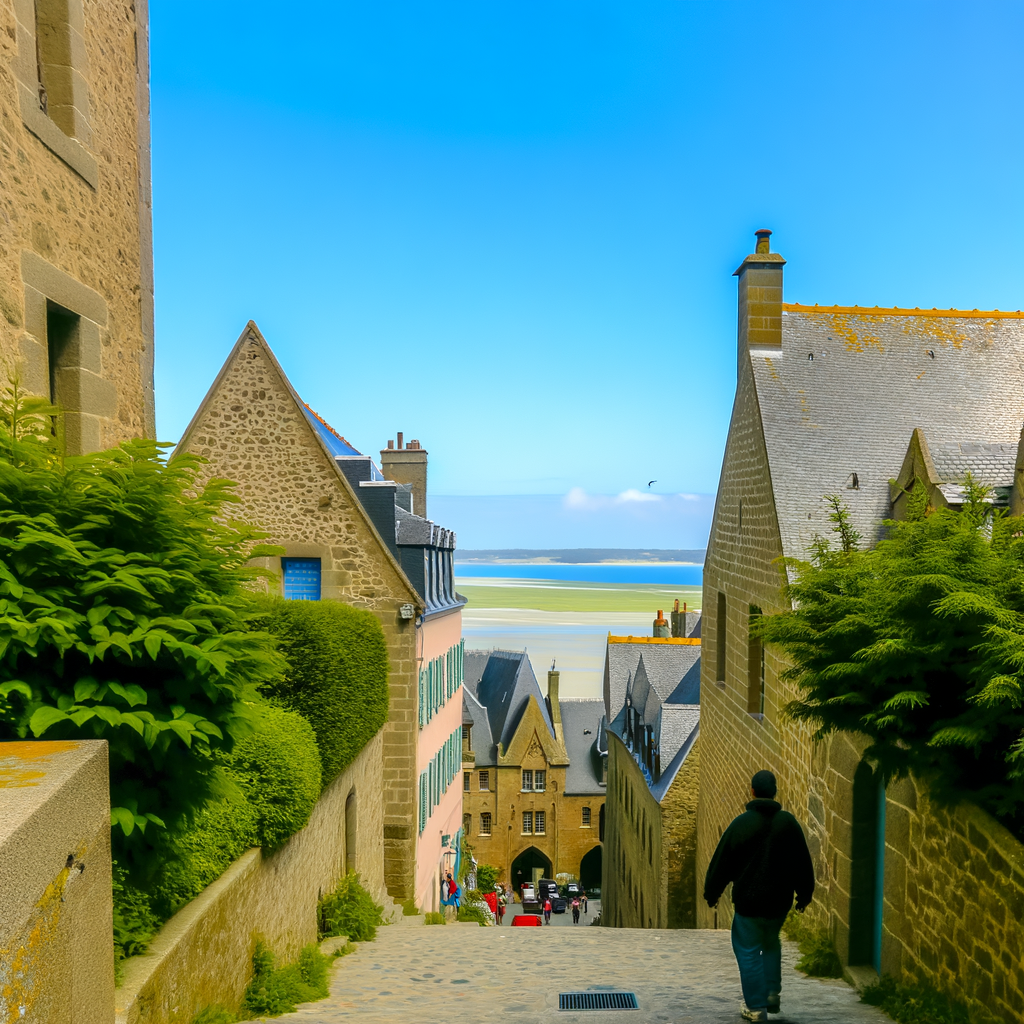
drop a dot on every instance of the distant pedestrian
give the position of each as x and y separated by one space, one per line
584 902
575 911
764 854
547 911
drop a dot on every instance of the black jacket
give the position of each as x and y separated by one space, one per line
764 854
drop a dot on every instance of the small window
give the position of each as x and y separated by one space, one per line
485 782
62 345
755 666
465 781
720 638
301 578
585 822
539 780
527 823
527 780
538 823
485 824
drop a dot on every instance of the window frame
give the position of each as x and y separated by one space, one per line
540 780
527 819
485 824
484 781
540 820
467 778
585 817
527 783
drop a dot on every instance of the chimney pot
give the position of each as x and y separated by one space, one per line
763 245
391 445
400 436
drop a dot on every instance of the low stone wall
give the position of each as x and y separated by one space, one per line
202 956
954 895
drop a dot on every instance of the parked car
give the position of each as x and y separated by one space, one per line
528 894
574 891
526 920
548 890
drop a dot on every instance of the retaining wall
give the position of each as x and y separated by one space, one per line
202 956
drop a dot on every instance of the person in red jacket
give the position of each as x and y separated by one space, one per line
764 854
547 910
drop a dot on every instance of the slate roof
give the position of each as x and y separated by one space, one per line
851 385
581 727
333 441
665 666
499 692
988 464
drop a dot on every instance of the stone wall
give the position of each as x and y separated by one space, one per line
56 954
75 211
649 879
203 955
252 430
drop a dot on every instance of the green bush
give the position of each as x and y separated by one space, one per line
276 990
434 917
123 615
915 1004
215 1014
473 912
819 959
487 877
135 923
409 908
349 910
337 675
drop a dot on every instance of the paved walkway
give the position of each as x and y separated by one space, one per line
465 974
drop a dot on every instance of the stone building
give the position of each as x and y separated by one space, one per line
351 534
828 399
652 706
76 264
533 772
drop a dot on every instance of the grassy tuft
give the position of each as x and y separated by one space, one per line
276 990
473 912
434 917
917 1004
349 910
819 959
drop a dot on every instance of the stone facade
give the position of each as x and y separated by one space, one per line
76 269
649 879
252 429
56 956
203 955
829 406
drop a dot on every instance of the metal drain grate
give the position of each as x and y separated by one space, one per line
597 1001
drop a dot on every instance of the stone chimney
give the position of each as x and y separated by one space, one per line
554 708
678 619
661 627
407 464
759 305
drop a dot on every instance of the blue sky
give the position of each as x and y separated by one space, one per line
508 229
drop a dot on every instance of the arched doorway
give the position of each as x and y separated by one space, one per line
530 866
590 869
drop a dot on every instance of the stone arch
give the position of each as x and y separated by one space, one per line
525 865
590 868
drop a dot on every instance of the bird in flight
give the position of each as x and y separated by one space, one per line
651 482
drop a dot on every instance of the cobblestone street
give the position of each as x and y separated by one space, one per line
466 974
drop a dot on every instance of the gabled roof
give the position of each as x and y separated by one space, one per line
581 728
252 345
502 688
850 385
333 441
666 663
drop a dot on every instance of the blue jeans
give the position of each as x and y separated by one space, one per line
755 941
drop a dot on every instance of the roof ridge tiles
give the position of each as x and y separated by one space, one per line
990 314
320 419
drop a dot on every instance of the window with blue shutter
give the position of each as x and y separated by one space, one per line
301 578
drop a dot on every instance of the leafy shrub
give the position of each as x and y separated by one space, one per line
123 608
915 1004
474 912
918 644
434 917
337 675
349 910
276 990
487 877
409 908
215 1014
819 959
135 923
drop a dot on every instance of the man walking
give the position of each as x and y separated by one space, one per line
764 854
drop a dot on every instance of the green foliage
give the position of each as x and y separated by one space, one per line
215 1014
474 912
409 908
465 859
337 675
487 877
123 608
276 990
434 917
919 644
135 923
349 910
819 959
917 1004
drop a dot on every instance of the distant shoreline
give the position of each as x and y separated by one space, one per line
583 556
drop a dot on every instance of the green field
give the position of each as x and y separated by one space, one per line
563 596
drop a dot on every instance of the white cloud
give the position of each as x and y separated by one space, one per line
635 495
577 498
691 497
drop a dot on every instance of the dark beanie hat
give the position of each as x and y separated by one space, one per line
763 783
